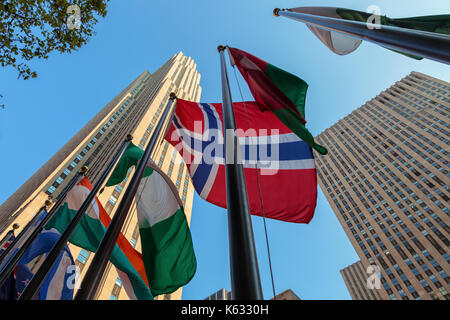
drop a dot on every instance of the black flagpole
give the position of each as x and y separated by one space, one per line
420 43
22 233
8 268
95 271
245 279
7 235
40 275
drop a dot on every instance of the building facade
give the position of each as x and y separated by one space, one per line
222 294
386 178
355 277
136 110
286 295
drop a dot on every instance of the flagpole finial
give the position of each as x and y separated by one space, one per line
172 95
48 203
276 12
129 137
16 226
84 169
220 48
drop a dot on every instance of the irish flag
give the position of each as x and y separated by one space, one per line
89 233
278 91
167 248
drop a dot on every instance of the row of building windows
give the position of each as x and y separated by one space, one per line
88 147
373 175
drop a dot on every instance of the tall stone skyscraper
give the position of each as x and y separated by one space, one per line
136 110
355 278
386 177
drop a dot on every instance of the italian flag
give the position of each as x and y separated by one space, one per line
90 232
167 248
277 91
342 44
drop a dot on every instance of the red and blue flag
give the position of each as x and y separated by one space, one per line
285 163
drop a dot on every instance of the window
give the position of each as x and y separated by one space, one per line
83 256
112 200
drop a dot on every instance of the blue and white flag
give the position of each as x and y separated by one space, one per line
7 291
59 283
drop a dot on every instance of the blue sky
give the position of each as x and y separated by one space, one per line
43 113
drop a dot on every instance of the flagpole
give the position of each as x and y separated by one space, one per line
53 255
245 279
2 242
95 271
9 265
24 230
416 42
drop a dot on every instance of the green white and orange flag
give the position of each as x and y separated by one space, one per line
342 44
89 233
167 247
277 91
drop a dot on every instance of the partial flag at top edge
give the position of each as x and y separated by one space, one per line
335 41
342 44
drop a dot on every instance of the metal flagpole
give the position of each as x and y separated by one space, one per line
245 279
7 237
95 271
22 233
420 43
40 275
23 245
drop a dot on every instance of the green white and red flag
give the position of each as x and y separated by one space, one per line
89 233
167 248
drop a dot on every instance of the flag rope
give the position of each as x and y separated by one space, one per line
259 189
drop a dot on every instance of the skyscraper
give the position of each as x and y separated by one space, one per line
136 110
355 278
286 295
222 294
386 178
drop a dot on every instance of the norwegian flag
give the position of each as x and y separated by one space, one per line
287 173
